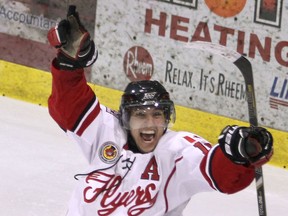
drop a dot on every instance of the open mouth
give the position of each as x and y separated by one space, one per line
148 136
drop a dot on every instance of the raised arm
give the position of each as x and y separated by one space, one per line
71 97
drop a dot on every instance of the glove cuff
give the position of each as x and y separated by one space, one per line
231 143
85 58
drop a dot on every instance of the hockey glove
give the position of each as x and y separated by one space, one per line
75 47
246 145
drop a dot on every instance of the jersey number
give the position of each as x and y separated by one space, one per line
199 145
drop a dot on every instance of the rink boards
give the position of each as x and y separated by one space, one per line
33 85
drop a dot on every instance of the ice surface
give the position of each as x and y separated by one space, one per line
38 162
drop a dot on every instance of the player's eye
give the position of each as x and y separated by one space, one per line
139 113
158 113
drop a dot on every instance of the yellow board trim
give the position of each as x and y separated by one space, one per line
34 86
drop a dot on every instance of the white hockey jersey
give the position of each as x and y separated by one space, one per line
120 182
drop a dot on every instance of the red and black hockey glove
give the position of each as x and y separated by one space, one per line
246 145
75 47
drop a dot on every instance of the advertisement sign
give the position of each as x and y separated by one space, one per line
31 19
150 39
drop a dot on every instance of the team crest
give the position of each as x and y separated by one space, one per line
109 152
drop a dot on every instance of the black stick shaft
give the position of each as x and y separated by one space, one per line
246 69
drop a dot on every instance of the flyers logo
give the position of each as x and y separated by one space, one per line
108 191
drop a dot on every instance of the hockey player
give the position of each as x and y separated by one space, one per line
137 165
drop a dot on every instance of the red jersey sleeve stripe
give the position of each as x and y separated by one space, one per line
87 119
85 111
205 167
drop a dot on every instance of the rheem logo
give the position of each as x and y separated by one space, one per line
138 64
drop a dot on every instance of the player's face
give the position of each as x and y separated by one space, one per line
147 125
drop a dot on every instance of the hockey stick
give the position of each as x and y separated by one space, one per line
244 65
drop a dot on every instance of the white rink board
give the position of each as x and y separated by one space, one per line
195 78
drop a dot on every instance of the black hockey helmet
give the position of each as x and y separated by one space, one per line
146 93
